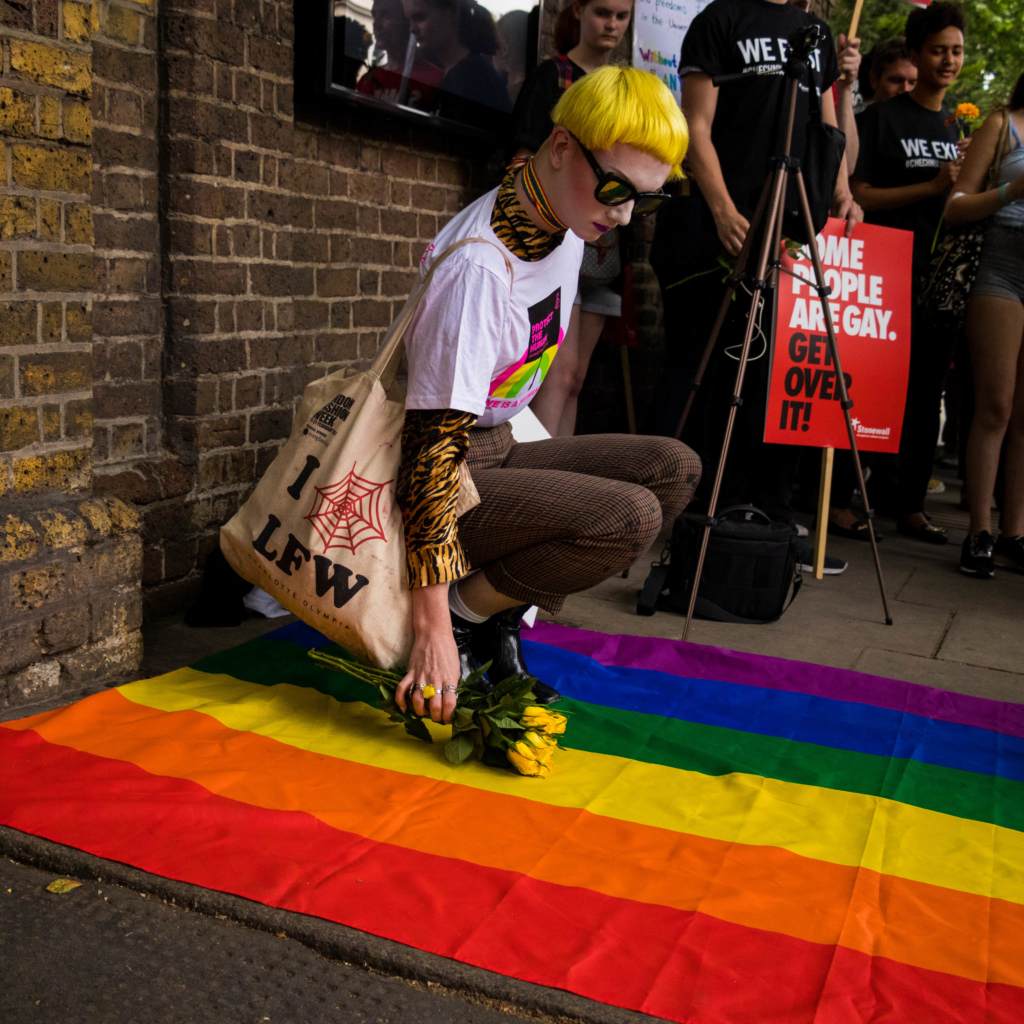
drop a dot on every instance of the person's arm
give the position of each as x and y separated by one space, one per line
699 101
969 203
434 442
848 56
843 203
434 659
875 200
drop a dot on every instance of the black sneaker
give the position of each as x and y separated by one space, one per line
1009 553
976 556
805 561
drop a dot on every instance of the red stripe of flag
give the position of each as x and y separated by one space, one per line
681 965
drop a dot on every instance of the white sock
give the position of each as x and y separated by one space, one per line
460 608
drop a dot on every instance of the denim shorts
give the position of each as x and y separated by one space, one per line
1001 269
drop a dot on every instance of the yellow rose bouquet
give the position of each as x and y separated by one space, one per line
505 728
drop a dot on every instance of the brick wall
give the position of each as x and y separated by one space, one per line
45 250
215 243
127 323
286 239
70 604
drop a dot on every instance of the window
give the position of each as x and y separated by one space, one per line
456 63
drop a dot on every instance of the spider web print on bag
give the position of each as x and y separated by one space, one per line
348 513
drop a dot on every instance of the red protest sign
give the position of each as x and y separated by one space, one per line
869 275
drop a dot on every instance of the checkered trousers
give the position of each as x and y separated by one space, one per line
560 516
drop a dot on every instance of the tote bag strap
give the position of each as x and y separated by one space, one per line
385 366
1002 148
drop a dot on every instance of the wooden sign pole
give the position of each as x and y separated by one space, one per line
855 21
824 500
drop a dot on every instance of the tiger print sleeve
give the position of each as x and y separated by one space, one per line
434 442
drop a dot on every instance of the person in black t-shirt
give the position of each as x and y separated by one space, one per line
734 129
909 160
734 133
844 90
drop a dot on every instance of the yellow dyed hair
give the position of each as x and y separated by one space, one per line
614 104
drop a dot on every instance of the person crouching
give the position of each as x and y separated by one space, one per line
556 516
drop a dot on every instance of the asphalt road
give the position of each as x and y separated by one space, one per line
103 954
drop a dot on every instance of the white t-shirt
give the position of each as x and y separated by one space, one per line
476 345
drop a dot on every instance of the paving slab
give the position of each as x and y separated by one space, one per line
105 954
993 684
169 644
127 947
831 621
929 585
991 638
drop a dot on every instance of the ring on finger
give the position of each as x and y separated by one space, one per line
449 689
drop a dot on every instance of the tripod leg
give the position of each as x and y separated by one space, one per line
844 397
723 310
774 211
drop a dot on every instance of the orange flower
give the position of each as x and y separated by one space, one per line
965 112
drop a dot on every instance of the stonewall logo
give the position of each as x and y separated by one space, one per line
863 431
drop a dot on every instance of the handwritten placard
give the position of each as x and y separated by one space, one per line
658 36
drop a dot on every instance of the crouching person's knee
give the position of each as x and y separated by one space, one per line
675 470
633 525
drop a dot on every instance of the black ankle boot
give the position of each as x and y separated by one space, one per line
463 632
497 641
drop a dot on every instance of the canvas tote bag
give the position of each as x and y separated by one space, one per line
322 531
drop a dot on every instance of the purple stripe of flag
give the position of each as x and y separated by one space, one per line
698 661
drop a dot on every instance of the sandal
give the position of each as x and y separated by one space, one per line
929 533
859 531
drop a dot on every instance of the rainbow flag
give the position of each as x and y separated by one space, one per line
730 838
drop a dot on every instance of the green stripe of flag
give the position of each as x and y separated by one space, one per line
692 746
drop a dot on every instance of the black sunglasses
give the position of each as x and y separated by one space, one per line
614 190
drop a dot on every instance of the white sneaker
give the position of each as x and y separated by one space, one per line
262 603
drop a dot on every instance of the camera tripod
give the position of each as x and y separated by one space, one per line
769 264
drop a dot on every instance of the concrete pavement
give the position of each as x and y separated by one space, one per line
106 954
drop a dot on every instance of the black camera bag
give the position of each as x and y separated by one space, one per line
750 566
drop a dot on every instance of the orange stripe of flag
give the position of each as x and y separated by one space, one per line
757 886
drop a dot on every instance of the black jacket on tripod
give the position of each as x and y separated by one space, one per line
727 37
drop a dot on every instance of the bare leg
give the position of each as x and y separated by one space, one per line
1013 500
591 325
549 403
994 330
481 597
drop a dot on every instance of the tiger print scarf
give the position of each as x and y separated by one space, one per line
514 228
